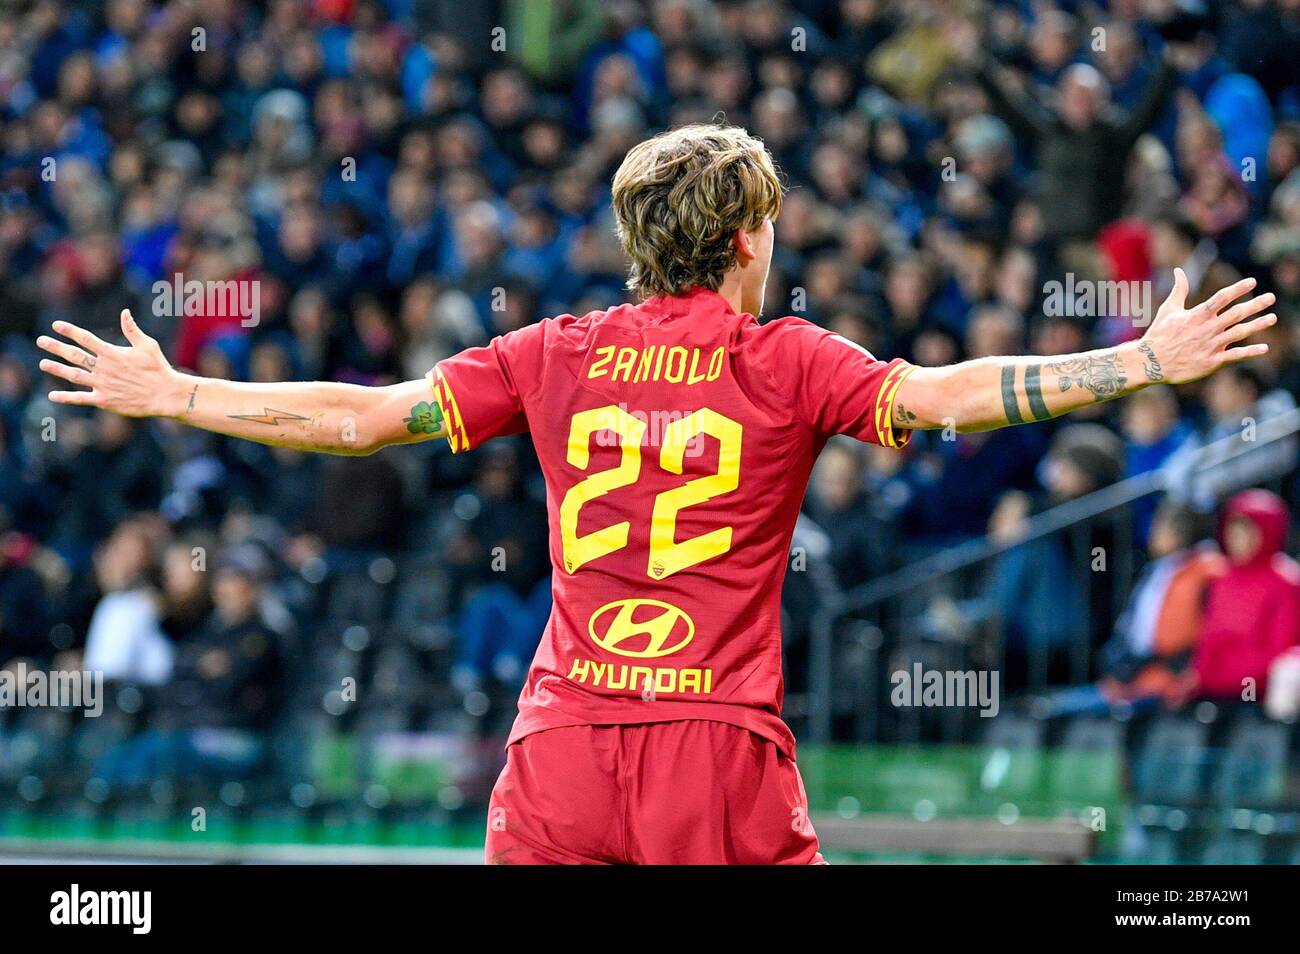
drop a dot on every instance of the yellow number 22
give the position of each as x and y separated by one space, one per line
667 556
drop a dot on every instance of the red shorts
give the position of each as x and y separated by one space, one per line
663 793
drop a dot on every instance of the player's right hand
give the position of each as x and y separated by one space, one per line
135 380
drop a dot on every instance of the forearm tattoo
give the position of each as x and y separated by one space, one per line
1010 402
1102 374
193 395
1033 390
269 416
1152 364
425 418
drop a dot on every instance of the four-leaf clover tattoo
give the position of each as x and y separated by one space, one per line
425 418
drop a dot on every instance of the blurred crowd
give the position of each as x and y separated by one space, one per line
400 179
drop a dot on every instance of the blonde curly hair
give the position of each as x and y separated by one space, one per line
679 198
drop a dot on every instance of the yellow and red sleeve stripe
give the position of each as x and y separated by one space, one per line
885 434
457 436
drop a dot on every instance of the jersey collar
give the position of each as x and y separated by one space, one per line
690 302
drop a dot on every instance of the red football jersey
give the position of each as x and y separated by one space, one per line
676 439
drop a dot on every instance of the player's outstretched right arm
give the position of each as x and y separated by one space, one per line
137 381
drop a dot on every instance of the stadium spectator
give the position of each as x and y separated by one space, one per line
1153 430
1034 587
22 506
186 589
1145 661
23 610
126 641
861 543
108 469
1162 622
223 693
962 477
500 563
1176 242
359 513
551 38
1078 144
1252 611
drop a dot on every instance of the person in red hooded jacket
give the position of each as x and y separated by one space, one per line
1252 612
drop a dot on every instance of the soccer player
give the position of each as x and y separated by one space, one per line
676 437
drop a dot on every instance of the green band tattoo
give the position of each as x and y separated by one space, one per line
1034 392
425 418
1010 405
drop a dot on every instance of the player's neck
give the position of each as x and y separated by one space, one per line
730 290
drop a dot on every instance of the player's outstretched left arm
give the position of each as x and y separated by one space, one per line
1182 344
136 380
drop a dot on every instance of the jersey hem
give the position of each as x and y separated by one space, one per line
540 718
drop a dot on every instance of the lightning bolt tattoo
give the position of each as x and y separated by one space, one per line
268 416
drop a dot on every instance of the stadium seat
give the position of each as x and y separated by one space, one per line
1170 765
1253 765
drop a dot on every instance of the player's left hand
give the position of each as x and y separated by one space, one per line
1185 344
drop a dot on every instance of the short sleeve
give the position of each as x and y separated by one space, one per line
480 391
838 387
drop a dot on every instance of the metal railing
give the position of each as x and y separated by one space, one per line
964 556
